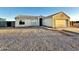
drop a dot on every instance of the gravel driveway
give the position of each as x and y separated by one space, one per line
36 39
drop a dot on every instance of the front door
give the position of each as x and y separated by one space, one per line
8 24
40 22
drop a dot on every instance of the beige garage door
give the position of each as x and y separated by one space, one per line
60 23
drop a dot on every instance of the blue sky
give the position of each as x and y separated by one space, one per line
10 13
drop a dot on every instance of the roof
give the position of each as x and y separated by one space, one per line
26 17
33 17
58 13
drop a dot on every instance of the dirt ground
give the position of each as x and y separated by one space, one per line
36 39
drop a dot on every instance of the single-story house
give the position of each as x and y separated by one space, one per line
56 20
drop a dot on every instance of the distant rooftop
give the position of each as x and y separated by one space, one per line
2 19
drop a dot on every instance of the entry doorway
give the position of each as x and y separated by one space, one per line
8 24
40 22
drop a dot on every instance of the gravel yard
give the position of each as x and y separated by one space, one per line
36 39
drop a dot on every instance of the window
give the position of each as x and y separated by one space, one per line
21 22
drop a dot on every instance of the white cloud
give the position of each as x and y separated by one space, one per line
74 17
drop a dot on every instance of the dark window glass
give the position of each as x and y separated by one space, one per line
21 22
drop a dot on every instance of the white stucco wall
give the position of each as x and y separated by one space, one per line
47 21
28 22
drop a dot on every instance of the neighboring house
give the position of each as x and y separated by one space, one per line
2 22
74 23
10 23
57 20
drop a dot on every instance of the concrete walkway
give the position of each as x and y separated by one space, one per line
72 29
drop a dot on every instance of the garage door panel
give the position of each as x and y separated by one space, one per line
60 23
